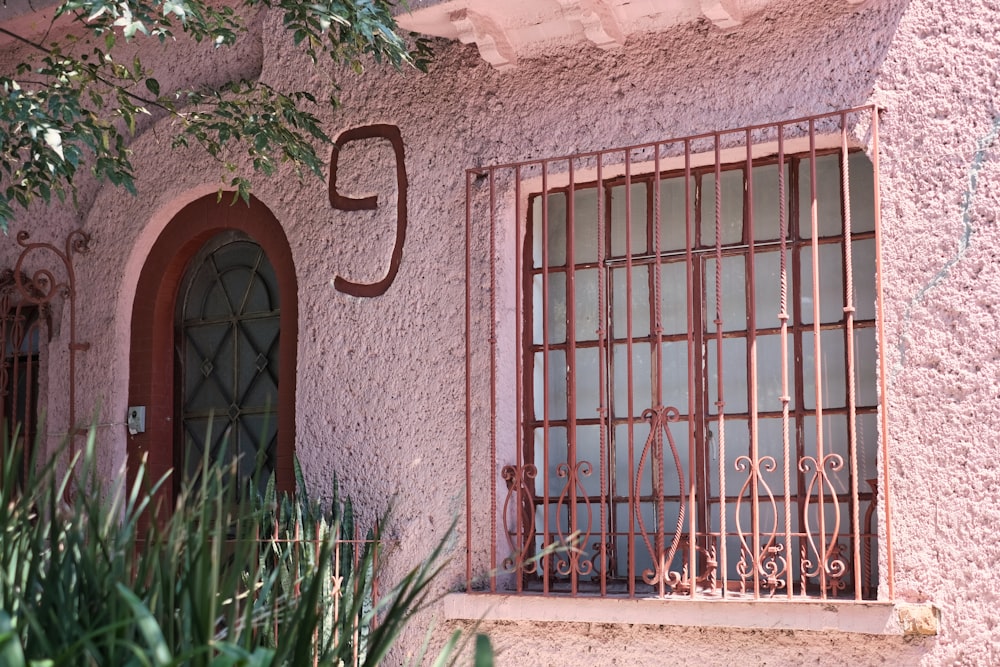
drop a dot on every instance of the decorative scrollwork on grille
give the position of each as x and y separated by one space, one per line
518 512
36 280
822 555
763 560
660 574
572 497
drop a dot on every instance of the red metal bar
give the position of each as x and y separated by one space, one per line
493 375
661 565
633 501
883 370
852 440
785 397
469 176
720 403
519 233
822 551
602 355
689 235
751 298
545 375
571 454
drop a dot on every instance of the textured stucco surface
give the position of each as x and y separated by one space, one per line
381 381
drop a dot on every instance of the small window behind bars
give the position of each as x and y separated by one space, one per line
21 329
698 402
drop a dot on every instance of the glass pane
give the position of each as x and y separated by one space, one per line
771 443
767 202
640 381
556 308
863 271
675 480
769 372
208 373
547 465
585 226
675 375
832 369
258 359
737 446
637 220
734 294
767 288
588 449
673 221
585 304
831 283
257 447
828 209
732 208
865 367
734 375
867 439
625 475
673 297
556 217
588 383
636 551
556 385
861 179
640 303
835 454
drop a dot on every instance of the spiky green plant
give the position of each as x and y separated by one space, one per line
91 575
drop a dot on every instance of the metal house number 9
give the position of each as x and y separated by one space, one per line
344 203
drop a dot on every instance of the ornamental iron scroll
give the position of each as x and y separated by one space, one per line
660 575
26 306
344 203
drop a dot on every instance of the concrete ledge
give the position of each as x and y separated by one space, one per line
870 618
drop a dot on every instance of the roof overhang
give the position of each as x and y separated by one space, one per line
504 31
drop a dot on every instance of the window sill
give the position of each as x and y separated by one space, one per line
870 618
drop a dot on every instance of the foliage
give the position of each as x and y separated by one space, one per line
75 105
218 582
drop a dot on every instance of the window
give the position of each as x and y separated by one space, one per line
696 406
21 329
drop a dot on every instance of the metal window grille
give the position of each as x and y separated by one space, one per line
672 367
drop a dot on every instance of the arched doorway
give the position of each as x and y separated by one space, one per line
214 332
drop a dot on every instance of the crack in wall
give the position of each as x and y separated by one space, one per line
964 242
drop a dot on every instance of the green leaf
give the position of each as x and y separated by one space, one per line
153 86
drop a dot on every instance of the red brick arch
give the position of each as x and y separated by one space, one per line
151 359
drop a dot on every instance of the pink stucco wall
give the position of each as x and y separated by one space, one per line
381 381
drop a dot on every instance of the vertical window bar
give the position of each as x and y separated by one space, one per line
573 471
852 438
756 560
692 444
821 550
521 520
783 319
602 353
493 371
720 400
469 176
662 564
883 403
633 497
545 376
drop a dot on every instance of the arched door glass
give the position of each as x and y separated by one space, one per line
228 327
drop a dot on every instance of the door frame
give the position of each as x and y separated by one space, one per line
152 374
